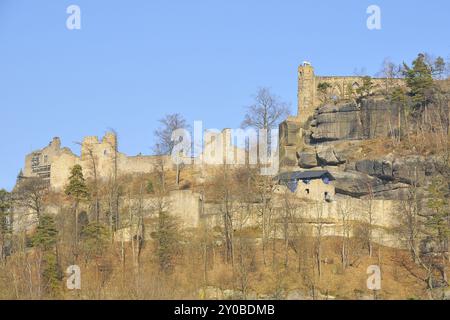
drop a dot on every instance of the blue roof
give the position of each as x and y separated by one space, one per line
304 175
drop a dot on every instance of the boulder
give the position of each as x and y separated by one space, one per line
354 184
328 157
378 168
307 160
390 191
361 185
290 140
403 169
413 168
290 132
288 156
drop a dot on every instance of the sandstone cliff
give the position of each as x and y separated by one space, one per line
337 138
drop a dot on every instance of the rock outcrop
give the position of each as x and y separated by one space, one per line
408 169
307 159
291 136
327 156
351 121
360 185
333 139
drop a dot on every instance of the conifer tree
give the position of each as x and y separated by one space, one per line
78 191
5 221
45 240
419 80
77 188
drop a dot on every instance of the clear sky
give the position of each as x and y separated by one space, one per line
134 61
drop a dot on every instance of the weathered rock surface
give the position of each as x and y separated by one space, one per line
354 184
290 132
357 184
307 160
290 140
334 141
327 156
378 168
322 156
352 121
406 169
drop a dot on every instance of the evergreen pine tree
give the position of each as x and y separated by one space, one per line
419 80
77 188
78 191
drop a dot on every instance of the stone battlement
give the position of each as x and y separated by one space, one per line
101 156
340 87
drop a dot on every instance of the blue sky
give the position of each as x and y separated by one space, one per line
134 61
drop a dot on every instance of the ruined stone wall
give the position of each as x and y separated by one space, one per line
140 164
60 172
328 213
102 156
341 87
39 162
183 205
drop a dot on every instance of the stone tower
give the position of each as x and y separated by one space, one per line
306 91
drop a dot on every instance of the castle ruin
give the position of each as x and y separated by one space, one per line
102 158
341 88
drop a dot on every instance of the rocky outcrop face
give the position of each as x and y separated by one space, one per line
327 156
409 170
307 160
378 168
360 185
354 184
320 157
351 121
334 140
290 140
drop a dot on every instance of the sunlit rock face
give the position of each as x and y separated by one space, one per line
351 121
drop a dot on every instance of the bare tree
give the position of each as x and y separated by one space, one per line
266 210
164 143
224 193
266 112
345 213
163 134
160 167
245 179
369 221
409 222
412 230
288 221
389 71
137 228
93 161
31 193
319 225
